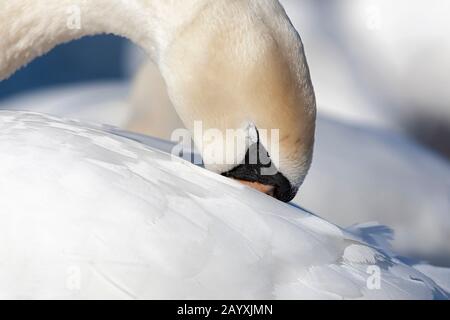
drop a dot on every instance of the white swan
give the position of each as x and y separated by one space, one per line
394 181
86 214
366 173
264 80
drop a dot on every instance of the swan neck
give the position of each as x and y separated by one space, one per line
31 28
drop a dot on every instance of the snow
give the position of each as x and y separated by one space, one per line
88 214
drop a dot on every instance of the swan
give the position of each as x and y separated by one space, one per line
264 81
388 177
383 183
87 214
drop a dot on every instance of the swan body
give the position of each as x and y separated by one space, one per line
382 184
366 173
264 79
87 214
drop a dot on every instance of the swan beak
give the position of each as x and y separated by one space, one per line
251 175
267 189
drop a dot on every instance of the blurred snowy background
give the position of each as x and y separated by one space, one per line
381 71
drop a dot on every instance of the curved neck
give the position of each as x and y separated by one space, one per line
31 28
228 63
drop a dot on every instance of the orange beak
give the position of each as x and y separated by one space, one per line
269 190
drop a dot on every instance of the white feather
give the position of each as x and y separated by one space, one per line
88 214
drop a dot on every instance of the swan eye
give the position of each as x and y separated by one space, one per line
251 172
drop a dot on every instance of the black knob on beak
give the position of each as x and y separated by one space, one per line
255 169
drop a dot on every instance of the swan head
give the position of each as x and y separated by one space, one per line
247 75
232 65
260 169
256 157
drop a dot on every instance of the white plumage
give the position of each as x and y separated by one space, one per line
192 42
364 173
88 214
